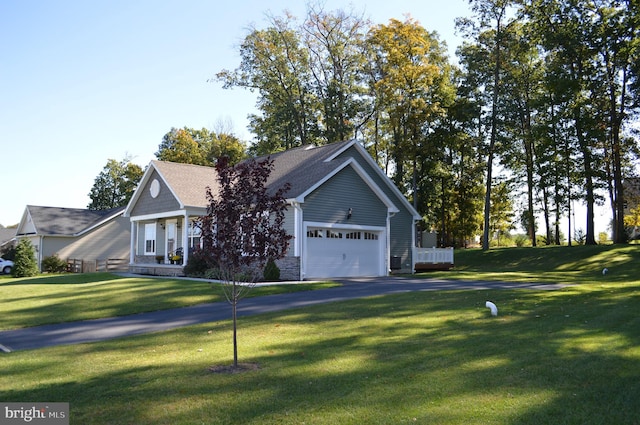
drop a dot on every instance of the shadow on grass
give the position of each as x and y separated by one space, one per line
568 356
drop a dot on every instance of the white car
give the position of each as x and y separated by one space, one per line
5 266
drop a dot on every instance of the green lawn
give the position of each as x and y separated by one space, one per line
570 356
69 297
553 264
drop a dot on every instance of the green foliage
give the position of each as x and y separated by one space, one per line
54 264
603 237
502 215
9 253
199 263
200 147
115 184
271 271
522 240
25 263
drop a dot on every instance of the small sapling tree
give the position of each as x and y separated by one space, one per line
243 228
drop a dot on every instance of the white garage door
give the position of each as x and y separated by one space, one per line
343 252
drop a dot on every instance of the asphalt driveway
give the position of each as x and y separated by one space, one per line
116 327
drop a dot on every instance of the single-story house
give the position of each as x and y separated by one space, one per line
347 218
91 240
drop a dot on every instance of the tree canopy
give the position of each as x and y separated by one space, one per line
545 92
199 147
115 184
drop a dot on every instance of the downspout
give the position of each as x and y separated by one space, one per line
40 253
387 260
414 244
299 237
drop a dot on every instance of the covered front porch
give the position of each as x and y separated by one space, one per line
161 245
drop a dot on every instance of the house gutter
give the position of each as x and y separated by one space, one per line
387 260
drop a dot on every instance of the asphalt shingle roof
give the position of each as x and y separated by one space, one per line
66 221
302 167
188 181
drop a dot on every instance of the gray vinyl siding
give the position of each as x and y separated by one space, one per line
330 203
401 223
289 226
55 245
110 240
165 201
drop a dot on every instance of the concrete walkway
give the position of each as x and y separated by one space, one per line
116 327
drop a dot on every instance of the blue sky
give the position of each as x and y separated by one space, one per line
85 81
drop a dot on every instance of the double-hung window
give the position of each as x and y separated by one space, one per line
150 239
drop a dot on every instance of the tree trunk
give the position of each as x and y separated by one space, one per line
589 185
494 133
234 308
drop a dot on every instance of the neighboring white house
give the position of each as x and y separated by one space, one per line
347 218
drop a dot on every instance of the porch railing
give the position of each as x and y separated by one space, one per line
433 255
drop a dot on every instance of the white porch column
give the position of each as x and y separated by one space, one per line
185 239
133 242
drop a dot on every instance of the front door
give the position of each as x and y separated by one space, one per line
170 235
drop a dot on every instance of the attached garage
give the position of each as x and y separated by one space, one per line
344 252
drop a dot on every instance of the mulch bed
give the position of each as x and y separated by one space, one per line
230 369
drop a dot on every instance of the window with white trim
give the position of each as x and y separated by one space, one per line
194 235
150 238
370 236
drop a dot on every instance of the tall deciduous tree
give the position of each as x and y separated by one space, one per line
502 216
337 58
616 41
412 79
115 184
275 63
200 147
243 227
492 19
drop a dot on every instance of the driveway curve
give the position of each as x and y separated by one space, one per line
122 326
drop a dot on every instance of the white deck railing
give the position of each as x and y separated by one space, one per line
433 255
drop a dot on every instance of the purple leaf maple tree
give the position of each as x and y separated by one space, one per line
243 228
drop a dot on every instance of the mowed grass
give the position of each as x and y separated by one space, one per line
46 299
570 356
552 264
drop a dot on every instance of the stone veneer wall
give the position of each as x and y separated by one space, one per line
289 268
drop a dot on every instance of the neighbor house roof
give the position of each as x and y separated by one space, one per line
7 234
56 221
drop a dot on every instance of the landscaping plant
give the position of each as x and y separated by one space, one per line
25 263
243 228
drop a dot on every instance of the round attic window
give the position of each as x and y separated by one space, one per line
154 189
